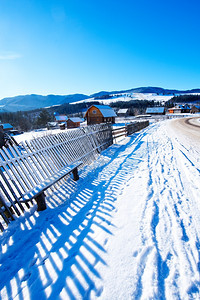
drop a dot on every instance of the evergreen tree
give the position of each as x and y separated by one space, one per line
43 118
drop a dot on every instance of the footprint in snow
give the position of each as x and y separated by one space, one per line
105 242
99 291
135 253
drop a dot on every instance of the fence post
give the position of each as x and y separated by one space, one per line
41 204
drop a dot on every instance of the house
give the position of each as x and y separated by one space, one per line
185 108
155 110
7 127
178 109
60 118
174 110
123 112
195 109
74 122
97 114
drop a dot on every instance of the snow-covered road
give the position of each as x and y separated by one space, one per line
130 228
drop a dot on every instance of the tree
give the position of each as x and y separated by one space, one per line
25 124
43 118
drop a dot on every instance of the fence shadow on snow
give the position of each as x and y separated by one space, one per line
24 169
61 254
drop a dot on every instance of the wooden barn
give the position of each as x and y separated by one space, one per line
97 114
74 122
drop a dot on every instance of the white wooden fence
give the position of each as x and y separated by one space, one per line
24 168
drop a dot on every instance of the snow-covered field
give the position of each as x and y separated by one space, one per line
128 229
129 97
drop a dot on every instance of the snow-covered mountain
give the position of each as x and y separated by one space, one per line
149 90
128 97
30 102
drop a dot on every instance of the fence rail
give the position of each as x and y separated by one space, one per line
129 129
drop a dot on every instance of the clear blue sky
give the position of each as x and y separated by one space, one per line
76 46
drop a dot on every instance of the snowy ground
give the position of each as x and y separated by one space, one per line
128 229
128 97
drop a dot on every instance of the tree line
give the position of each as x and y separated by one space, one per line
183 99
26 121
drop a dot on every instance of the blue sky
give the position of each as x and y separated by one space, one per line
66 47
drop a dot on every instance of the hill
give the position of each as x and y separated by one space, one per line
33 101
148 90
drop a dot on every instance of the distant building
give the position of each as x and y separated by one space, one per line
185 108
195 109
97 114
7 127
74 122
123 112
155 110
61 118
178 109
174 110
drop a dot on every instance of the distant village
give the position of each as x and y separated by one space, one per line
97 114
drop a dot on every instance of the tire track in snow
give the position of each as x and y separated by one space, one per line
175 250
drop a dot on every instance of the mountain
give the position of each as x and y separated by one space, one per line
156 90
30 102
102 93
147 90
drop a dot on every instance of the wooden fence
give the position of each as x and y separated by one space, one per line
129 129
24 168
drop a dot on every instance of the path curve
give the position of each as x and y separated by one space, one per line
189 127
